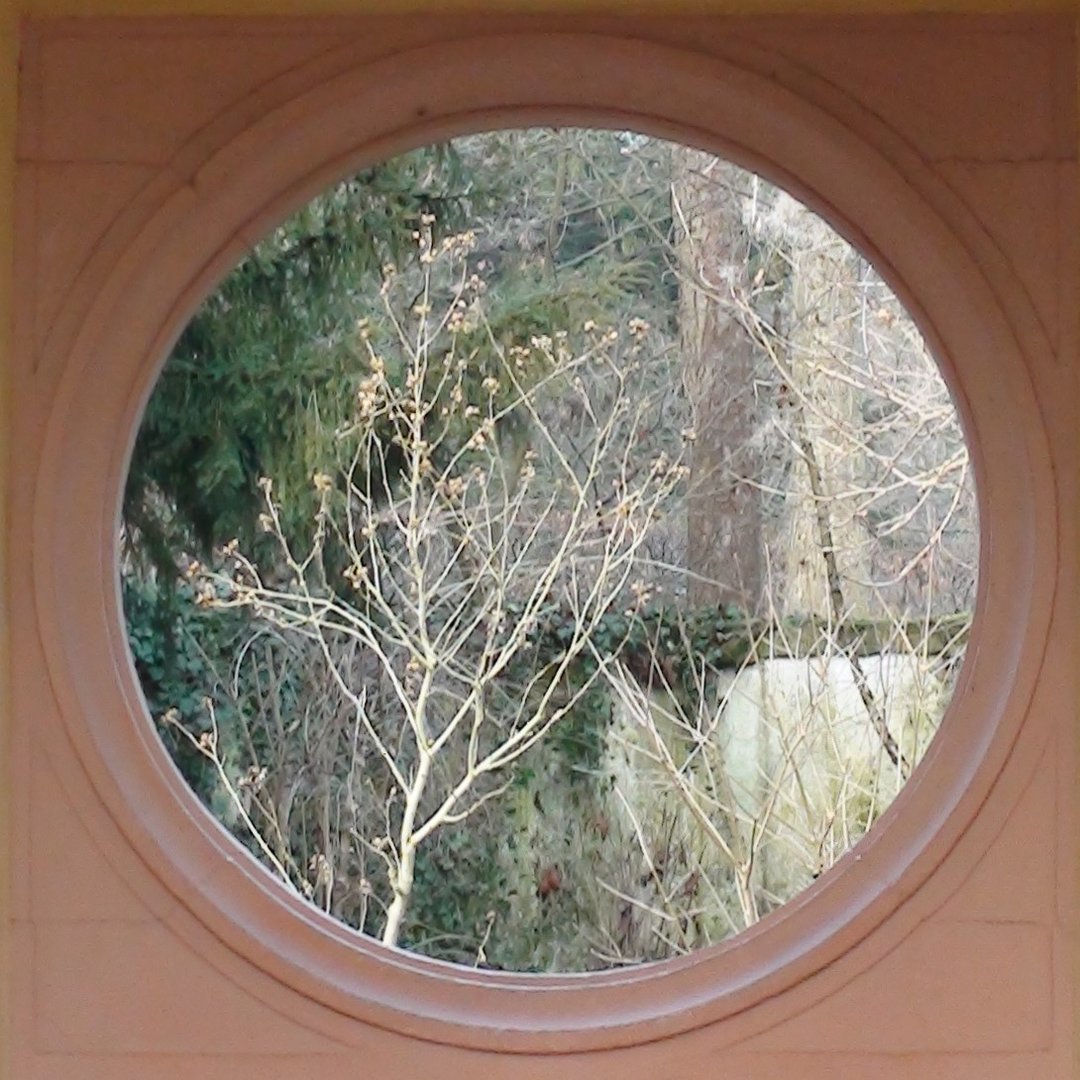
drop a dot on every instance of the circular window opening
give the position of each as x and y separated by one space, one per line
549 551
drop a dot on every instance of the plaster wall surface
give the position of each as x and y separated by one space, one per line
125 128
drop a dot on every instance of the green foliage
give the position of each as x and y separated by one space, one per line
183 654
579 739
459 887
267 369
665 644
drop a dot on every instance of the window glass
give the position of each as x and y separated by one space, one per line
549 551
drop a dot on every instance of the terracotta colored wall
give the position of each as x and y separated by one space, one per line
961 143
8 53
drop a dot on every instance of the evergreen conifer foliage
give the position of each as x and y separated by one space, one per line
266 370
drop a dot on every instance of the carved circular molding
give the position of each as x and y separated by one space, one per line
209 206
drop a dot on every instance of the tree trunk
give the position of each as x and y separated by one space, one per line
724 541
402 878
824 549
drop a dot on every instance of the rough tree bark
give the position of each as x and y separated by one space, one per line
823 546
724 544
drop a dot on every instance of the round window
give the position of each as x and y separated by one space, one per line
549 551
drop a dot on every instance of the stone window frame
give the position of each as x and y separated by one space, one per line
221 194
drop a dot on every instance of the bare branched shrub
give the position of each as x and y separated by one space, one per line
455 552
